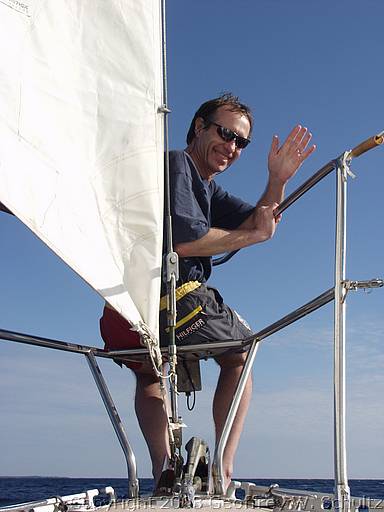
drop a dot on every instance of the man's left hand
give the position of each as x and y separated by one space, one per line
284 161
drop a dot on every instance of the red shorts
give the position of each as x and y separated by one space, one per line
117 335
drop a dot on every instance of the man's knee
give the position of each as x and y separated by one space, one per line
145 375
231 359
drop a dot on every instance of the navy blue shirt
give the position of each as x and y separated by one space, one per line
196 206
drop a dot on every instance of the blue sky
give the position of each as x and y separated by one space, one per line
297 61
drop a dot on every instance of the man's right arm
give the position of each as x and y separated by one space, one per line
218 240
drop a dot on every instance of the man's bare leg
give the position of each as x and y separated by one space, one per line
231 368
152 419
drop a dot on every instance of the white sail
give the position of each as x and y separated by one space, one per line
81 139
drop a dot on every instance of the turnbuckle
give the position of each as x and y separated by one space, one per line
356 285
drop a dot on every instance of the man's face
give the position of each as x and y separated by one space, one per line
211 153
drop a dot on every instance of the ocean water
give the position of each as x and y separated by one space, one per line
23 489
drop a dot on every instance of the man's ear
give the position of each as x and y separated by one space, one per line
199 125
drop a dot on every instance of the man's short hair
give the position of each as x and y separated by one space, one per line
207 110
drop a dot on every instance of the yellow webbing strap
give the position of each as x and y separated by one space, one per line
186 319
181 291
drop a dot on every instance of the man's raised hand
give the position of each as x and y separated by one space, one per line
284 161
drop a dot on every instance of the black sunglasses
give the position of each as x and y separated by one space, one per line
229 135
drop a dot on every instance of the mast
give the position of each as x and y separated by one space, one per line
171 266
